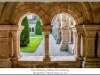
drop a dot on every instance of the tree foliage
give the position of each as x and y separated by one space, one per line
24 37
38 29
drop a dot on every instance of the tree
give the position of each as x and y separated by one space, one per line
38 29
24 37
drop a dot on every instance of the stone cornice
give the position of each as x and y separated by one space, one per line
11 27
91 27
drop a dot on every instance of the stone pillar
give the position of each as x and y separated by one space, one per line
16 43
46 29
54 31
70 35
90 59
58 38
7 45
65 38
74 39
78 48
98 48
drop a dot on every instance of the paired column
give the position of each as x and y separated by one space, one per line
90 59
73 39
65 38
4 47
8 44
58 38
16 43
98 48
78 42
46 29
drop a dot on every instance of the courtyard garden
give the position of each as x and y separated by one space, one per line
29 42
35 41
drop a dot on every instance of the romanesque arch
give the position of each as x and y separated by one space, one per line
64 32
86 15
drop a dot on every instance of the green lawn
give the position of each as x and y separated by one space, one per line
35 40
33 35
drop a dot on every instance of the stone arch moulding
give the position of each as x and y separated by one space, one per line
72 14
66 14
87 14
16 19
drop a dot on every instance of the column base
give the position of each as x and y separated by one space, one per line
15 58
47 58
99 62
5 63
90 63
58 41
64 46
79 58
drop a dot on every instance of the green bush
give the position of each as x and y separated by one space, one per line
38 29
24 37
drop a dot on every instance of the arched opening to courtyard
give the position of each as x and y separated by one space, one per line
62 40
62 37
35 48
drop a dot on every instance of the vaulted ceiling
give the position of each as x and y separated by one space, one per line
82 12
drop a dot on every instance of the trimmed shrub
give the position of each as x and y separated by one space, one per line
38 29
24 37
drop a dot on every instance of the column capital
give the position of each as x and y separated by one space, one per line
91 30
6 29
46 28
79 28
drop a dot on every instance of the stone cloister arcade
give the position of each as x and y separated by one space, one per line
85 31
62 30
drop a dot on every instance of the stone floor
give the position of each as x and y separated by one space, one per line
54 50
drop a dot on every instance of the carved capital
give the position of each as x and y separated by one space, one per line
91 30
46 28
6 29
79 28
16 33
90 34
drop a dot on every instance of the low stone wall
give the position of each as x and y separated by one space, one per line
36 64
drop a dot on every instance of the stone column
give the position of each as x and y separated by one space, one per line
78 48
98 48
4 47
7 45
46 29
74 39
90 59
58 38
16 43
65 38
70 35
54 31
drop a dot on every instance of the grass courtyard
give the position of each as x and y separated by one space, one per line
35 40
